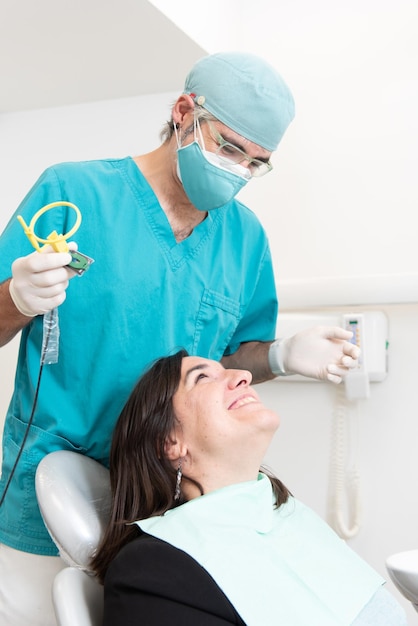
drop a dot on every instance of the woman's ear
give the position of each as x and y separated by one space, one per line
174 448
184 106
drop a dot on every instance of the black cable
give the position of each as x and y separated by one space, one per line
29 424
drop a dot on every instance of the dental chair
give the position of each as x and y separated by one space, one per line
73 493
403 570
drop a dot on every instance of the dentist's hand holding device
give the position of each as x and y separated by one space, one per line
322 352
39 280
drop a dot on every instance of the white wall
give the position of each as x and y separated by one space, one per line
31 141
345 187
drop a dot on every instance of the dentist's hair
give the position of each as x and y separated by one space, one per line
167 130
142 479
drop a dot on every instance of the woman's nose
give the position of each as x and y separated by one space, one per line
239 377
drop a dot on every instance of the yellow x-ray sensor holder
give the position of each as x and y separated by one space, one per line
79 262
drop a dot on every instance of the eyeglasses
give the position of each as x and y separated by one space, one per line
232 153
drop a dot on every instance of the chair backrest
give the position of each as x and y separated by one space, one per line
73 493
77 598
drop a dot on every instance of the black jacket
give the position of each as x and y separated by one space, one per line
152 583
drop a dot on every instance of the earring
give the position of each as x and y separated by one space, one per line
177 491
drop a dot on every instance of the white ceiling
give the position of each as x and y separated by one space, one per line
62 52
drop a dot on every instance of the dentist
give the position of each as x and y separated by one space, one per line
179 261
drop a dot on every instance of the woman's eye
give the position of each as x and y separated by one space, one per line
199 377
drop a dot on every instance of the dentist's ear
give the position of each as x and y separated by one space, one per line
174 449
183 108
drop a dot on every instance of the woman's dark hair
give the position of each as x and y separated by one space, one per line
142 479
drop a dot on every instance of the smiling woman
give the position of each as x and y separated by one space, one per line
222 430
198 534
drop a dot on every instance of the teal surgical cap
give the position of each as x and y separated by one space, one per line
245 93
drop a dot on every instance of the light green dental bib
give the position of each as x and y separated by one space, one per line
277 566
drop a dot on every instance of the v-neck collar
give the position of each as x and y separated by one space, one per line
177 252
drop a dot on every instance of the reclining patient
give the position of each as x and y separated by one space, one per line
200 536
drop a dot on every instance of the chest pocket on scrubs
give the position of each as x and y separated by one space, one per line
216 322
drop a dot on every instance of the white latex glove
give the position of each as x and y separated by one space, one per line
321 352
39 281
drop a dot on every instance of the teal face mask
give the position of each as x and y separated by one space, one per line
208 180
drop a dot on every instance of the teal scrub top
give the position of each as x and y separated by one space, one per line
145 296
